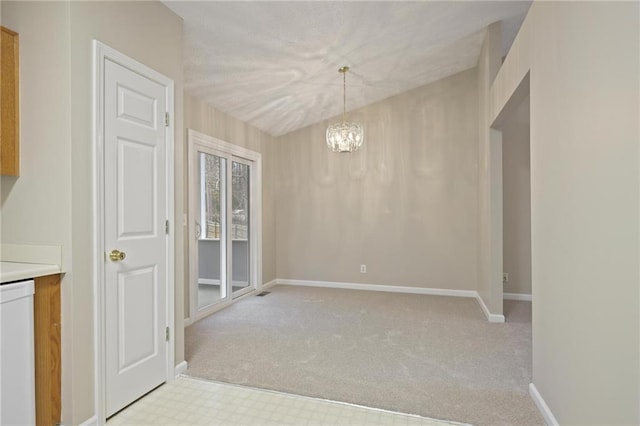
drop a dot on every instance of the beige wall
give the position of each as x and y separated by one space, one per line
489 241
51 201
516 200
36 207
405 204
585 216
151 34
206 119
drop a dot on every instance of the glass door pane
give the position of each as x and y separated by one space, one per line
240 228
211 230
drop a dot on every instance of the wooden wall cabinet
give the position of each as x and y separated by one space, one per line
9 103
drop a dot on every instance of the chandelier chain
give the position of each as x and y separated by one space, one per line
344 96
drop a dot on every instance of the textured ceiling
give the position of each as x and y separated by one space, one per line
274 64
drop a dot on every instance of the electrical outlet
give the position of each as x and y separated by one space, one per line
505 277
363 269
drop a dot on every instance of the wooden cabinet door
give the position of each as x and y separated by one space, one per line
9 105
48 360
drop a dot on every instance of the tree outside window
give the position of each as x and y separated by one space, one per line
213 202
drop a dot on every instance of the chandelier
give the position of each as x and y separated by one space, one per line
345 136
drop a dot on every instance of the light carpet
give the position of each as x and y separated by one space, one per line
428 355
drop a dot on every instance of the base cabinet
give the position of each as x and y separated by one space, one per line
46 312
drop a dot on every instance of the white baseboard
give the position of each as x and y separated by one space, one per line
180 368
398 289
375 287
209 281
91 421
544 409
269 284
388 288
517 296
490 317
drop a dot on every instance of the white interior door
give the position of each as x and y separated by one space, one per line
136 242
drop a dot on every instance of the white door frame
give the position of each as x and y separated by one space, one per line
253 181
102 52
195 139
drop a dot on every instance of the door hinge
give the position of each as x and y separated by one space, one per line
166 119
166 226
166 334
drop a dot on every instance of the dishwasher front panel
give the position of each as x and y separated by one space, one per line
17 372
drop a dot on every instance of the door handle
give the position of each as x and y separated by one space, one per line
117 255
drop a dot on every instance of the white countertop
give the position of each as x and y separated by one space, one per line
15 271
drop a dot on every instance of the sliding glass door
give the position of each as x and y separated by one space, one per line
211 229
223 245
240 227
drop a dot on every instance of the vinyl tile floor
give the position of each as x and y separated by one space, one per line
189 401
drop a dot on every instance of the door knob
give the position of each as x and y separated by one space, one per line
117 255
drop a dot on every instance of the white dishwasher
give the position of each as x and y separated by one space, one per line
17 372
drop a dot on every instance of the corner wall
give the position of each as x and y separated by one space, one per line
584 62
516 179
51 202
151 34
405 204
585 212
489 240
36 207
